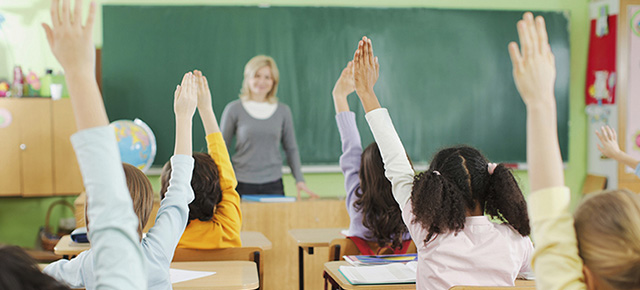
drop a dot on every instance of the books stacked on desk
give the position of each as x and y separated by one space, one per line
380 269
365 260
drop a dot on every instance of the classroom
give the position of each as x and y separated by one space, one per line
143 48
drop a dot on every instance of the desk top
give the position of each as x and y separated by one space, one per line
231 275
332 269
70 248
318 237
255 239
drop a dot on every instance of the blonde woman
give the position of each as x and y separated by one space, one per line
260 123
599 246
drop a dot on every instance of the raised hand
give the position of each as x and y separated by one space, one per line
609 140
204 94
185 97
205 107
343 87
70 41
301 186
345 84
534 73
365 74
534 68
184 105
611 148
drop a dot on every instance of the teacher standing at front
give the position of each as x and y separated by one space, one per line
260 124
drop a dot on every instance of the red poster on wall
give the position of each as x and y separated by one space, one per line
601 64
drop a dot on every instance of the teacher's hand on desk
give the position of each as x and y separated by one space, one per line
302 186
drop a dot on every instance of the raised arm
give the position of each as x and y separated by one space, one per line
349 136
173 213
397 167
611 149
556 262
343 88
118 258
227 213
534 73
205 108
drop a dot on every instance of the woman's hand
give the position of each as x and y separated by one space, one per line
302 186
343 87
70 41
366 72
534 70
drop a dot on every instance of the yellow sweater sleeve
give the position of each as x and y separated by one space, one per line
227 213
555 261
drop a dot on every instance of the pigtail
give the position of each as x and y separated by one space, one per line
503 200
438 205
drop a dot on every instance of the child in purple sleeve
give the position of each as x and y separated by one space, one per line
370 204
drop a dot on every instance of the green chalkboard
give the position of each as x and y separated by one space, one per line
445 74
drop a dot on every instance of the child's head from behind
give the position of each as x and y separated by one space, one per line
608 231
205 182
381 213
141 193
460 182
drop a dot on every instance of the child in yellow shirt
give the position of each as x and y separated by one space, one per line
214 215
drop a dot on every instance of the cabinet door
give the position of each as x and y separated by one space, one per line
10 175
34 117
66 173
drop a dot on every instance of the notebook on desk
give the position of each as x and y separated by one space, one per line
268 198
396 273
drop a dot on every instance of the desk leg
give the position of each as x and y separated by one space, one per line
330 280
301 267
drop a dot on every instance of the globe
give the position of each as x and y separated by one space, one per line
136 142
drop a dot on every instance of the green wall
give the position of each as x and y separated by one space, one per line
20 218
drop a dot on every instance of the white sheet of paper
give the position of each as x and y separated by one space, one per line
177 275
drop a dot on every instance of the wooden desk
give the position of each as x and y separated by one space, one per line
333 277
230 275
68 248
310 238
255 239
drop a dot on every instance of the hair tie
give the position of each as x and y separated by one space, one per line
436 172
491 167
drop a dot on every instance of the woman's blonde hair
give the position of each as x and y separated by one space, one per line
608 231
250 69
141 194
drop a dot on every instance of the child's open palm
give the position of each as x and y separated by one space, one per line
609 140
366 67
534 68
185 97
70 42
345 84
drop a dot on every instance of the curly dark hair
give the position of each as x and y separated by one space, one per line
382 216
205 182
457 181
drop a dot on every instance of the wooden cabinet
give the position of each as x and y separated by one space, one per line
36 157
